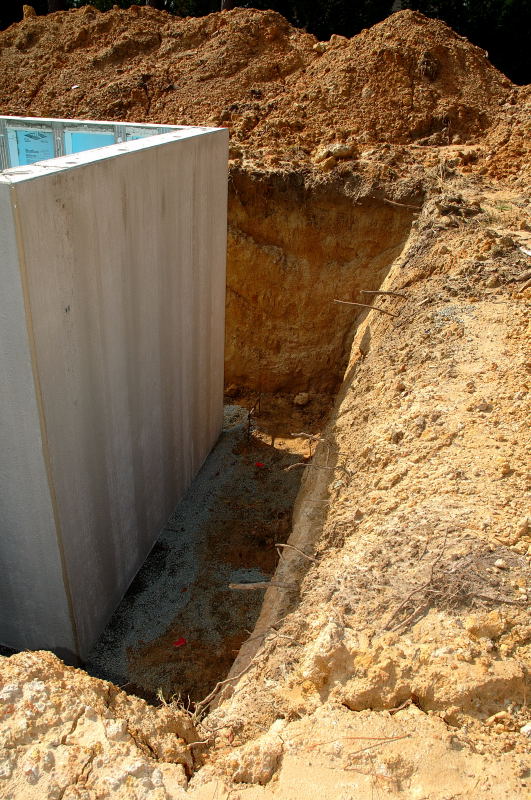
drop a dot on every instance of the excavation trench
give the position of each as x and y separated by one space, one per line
293 249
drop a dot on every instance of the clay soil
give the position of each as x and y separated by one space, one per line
279 91
391 655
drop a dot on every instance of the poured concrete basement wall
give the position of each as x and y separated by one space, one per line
112 268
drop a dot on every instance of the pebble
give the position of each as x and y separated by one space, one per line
301 399
526 729
116 730
500 563
522 527
328 163
341 150
337 39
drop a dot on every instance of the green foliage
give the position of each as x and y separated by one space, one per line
183 8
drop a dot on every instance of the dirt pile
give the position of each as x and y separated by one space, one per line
66 735
412 533
407 79
147 65
392 654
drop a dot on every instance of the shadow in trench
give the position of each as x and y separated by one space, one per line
179 627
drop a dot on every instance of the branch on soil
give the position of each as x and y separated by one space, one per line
292 547
366 305
395 294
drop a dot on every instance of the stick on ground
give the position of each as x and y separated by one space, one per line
395 294
366 305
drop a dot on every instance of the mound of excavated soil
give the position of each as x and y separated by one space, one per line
392 655
407 79
508 143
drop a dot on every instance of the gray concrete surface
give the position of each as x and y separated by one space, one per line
111 356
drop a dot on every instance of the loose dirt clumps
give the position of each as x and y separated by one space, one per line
66 735
144 64
391 657
407 79
415 571
507 152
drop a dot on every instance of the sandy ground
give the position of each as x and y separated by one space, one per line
179 627
397 666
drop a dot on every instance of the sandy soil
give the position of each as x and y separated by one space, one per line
391 656
281 93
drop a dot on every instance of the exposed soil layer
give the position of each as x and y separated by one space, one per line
391 656
415 572
295 246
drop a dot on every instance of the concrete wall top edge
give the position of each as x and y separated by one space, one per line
75 121
63 163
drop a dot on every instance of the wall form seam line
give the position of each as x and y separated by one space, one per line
42 417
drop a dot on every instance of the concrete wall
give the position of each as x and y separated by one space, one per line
115 261
33 602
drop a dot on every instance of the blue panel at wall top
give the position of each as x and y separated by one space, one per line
33 145
88 140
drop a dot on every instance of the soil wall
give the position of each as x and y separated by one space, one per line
294 247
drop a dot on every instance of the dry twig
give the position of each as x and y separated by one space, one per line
366 305
203 704
401 205
260 585
395 294
292 547
379 739
416 591
379 744
305 464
